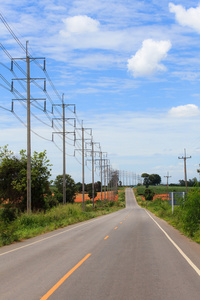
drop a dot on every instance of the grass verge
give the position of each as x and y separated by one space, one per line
26 226
163 210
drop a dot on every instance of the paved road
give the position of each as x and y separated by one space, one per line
129 254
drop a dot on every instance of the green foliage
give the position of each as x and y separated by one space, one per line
149 194
8 215
191 211
186 217
71 188
13 178
79 187
190 182
151 179
161 189
90 195
10 168
26 226
97 186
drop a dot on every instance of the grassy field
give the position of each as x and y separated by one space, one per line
162 189
26 226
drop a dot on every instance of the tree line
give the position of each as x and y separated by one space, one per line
45 193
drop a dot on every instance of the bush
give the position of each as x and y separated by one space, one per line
8 213
8 226
148 194
191 211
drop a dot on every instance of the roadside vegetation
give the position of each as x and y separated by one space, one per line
186 216
48 212
161 189
17 226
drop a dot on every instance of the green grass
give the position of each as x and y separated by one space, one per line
161 189
27 226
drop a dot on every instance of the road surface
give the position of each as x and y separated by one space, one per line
129 254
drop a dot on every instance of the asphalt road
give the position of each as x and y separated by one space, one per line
129 254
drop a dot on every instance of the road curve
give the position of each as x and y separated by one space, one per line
129 254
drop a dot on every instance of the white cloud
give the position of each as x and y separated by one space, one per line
147 59
189 110
186 17
79 24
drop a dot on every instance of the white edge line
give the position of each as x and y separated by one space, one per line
177 247
49 237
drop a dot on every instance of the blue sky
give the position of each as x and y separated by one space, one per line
130 67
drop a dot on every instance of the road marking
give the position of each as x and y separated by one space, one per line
56 286
116 227
177 247
56 234
106 237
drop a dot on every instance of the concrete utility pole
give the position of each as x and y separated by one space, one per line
184 157
92 173
92 154
167 176
104 173
101 174
28 81
101 166
83 168
64 163
83 158
64 135
28 133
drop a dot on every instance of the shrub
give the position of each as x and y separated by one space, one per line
8 226
148 194
191 211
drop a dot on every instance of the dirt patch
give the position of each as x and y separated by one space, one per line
79 197
162 196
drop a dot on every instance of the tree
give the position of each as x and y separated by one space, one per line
149 194
79 187
89 190
13 178
151 179
146 180
71 188
155 179
10 167
97 186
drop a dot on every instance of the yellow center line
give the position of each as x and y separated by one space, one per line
56 286
106 237
116 227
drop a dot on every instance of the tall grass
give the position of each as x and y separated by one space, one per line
26 226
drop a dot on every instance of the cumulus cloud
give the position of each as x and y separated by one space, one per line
147 59
189 110
79 25
186 17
